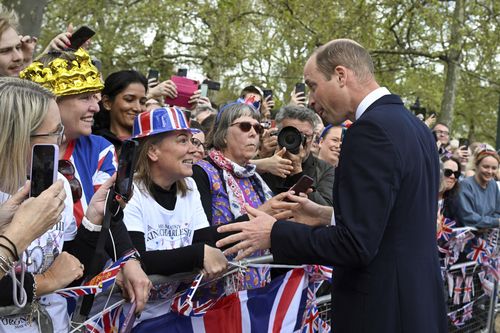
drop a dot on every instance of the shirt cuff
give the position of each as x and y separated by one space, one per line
90 226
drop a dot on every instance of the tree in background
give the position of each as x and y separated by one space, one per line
445 52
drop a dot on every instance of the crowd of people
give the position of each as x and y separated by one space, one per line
202 167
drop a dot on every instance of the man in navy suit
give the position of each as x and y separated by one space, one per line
380 235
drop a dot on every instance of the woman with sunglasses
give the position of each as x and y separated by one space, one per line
123 98
448 191
479 197
87 160
29 115
226 179
165 215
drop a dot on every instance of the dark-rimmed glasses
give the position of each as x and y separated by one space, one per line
449 172
197 143
246 126
59 132
67 169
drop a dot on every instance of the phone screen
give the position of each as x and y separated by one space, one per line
79 37
153 74
204 90
126 167
44 163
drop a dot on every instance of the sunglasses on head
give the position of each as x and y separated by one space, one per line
449 172
67 169
246 126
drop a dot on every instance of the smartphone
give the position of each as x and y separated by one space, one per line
182 72
153 74
267 92
79 37
300 87
204 90
44 164
301 186
128 323
463 142
212 85
185 89
126 168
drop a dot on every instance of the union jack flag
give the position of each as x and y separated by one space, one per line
106 278
444 228
74 292
109 322
479 251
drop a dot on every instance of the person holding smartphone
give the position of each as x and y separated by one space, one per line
87 160
33 117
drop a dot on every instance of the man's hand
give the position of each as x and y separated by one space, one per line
276 164
268 206
253 235
302 210
296 160
269 143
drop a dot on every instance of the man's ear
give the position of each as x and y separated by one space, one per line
106 102
153 153
341 75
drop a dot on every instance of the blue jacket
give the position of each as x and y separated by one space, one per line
383 247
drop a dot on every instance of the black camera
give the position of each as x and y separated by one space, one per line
290 138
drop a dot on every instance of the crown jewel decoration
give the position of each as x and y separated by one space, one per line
64 77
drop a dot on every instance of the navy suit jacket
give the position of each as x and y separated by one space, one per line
383 247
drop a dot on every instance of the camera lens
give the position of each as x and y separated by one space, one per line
290 138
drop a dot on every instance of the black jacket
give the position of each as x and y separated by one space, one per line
323 174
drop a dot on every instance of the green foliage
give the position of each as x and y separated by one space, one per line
266 42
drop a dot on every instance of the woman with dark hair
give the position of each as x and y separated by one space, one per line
448 191
123 98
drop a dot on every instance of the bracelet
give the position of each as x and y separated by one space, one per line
5 264
35 286
16 258
13 246
89 225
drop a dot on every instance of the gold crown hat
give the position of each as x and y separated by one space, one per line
66 77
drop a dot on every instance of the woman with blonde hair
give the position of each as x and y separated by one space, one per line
479 197
29 115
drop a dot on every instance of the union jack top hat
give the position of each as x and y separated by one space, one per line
159 121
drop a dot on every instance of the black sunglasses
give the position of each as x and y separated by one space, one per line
449 172
68 170
246 126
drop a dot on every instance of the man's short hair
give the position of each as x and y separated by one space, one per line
296 112
347 53
442 124
8 19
